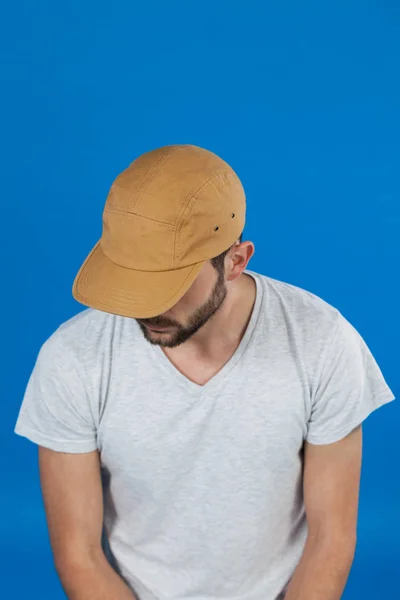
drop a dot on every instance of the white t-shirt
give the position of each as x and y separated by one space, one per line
203 484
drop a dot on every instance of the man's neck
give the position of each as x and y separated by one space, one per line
224 331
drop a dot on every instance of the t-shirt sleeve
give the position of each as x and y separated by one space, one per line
350 387
56 411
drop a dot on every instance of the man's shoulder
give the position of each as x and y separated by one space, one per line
304 309
296 295
80 334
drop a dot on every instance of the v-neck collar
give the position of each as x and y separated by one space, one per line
192 387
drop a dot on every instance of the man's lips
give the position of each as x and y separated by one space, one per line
158 328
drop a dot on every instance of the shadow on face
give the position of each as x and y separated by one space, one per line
203 299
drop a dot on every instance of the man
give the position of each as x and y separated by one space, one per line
204 418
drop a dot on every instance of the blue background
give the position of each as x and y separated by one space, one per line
301 98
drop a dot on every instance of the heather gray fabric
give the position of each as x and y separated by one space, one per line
203 484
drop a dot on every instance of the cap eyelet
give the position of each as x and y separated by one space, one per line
233 214
216 228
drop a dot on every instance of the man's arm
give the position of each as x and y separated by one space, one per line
72 494
331 493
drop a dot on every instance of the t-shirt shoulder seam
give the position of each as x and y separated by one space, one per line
329 348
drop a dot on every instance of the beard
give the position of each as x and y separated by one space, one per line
179 333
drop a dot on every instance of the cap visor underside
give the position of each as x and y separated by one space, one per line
106 286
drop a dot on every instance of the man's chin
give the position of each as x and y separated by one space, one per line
159 338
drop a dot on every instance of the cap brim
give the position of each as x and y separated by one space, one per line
106 286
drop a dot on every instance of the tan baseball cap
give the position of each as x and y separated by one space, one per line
166 215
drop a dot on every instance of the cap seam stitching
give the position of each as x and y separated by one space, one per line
136 214
186 208
151 174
